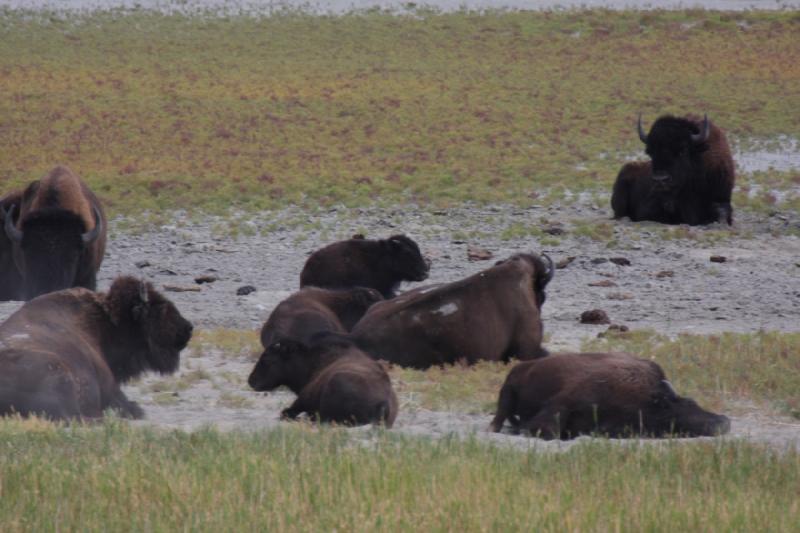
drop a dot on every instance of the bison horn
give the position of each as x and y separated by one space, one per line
551 271
642 134
143 291
11 230
702 137
91 235
669 387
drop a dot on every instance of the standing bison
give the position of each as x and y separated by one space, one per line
333 379
10 278
64 355
614 394
494 315
59 235
313 310
381 265
688 180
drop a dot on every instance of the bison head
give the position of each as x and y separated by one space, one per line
404 258
148 331
675 146
50 248
671 414
543 269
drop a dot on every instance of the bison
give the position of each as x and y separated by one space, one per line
379 264
64 355
59 236
10 278
688 180
494 315
614 394
313 310
333 379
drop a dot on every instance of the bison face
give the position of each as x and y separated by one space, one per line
282 363
405 258
674 146
670 414
166 331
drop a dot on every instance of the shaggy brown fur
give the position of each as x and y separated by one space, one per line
10 278
56 245
334 381
358 262
313 310
615 394
64 355
494 315
685 182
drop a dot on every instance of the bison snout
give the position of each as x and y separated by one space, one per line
184 335
722 425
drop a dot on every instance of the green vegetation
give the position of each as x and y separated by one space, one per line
115 478
159 112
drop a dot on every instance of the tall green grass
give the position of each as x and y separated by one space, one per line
160 111
115 478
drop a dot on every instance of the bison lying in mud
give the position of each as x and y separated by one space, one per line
358 262
333 379
494 315
10 278
59 236
688 180
614 394
64 355
313 310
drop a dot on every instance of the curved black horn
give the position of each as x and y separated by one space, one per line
551 270
91 235
642 134
669 387
702 137
11 230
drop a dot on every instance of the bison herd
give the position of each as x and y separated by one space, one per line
65 353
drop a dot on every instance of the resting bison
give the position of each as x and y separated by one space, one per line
334 381
64 355
492 315
313 310
10 278
359 262
614 394
59 237
688 180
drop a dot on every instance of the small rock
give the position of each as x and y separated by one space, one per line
603 283
478 254
167 272
358 237
245 290
665 274
718 258
459 242
142 264
564 263
599 260
621 261
554 230
181 288
207 278
613 329
595 316
620 296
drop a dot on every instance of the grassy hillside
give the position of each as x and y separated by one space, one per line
163 111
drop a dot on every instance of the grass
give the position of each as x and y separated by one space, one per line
200 113
301 479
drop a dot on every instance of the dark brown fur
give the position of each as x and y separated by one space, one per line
313 310
493 315
10 278
64 355
358 262
53 214
613 394
698 177
333 379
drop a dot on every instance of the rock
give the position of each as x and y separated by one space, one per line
718 258
603 283
245 290
206 278
142 264
621 261
167 272
475 253
620 296
613 329
595 316
554 230
181 288
564 263
665 274
599 260
358 237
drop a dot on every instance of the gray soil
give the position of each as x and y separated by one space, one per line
755 288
